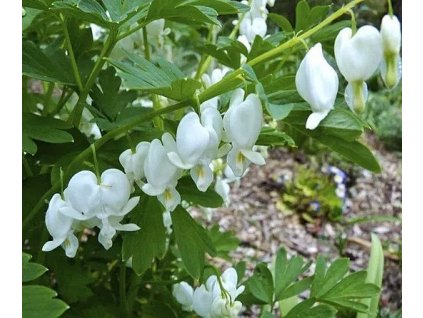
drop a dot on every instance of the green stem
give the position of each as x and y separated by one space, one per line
71 55
390 9
47 98
62 101
27 167
122 290
157 121
129 32
353 22
205 95
205 59
76 114
237 26
97 169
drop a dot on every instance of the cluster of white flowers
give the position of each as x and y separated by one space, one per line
253 22
156 166
358 56
89 201
214 299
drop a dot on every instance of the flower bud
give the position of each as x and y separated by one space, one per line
133 162
390 68
317 82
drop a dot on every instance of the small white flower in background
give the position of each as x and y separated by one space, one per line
89 129
242 124
317 83
390 68
209 300
60 228
157 31
358 56
161 174
133 162
183 294
209 80
223 189
252 26
97 31
107 199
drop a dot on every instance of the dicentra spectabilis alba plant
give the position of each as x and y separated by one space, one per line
317 82
113 81
358 56
390 69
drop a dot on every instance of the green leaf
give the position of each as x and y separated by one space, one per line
86 10
189 192
354 151
39 302
30 15
323 280
44 129
28 145
279 112
261 284
46 65
227 51
182 11
223 242
163 79
306 309
148 242
282 22
374 276
120 10
31 271
272 137
306 17
332 287
192 241
302 12
287 272
107 97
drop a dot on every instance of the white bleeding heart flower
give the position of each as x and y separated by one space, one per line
192 140
161 174
60 228
184 293
209 80
251 26
156 30
358 56
203 298
107 200
317 83
230 281
242 124
222 308
390 68
133 162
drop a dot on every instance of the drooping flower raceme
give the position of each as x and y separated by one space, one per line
107 199
242 124
89 201
161 174
390 68
210 300
317 82
358 56
60 228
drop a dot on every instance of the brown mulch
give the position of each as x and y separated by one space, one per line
263 229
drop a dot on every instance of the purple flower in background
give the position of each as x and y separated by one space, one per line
314 206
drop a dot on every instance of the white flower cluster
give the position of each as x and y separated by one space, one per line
156 166
358 56
253 23
87 202
215 299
